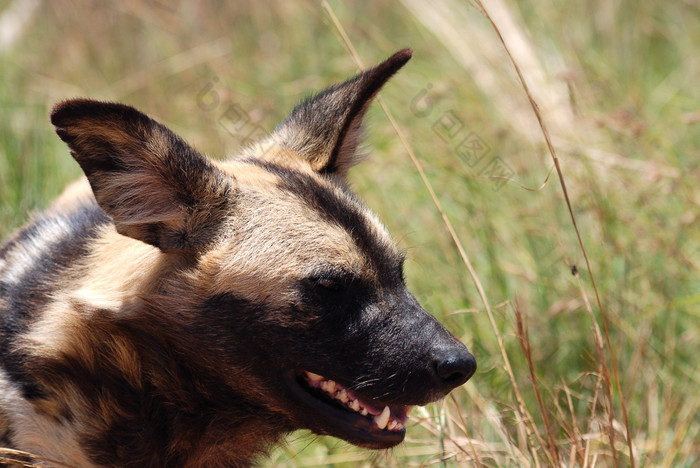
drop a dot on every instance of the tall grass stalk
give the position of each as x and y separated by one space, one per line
553 153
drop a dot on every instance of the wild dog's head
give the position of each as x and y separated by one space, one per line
281 286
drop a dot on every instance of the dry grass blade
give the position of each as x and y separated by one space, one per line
463 426
524 339
604 372
27 460
575 436
562 181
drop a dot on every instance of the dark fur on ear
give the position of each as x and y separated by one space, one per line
326 129
157 188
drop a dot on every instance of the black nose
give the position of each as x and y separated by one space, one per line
456 367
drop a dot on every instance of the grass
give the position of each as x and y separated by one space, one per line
615 86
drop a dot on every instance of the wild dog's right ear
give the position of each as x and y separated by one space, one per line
157 188
326 129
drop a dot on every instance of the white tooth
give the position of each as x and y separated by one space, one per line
313 378
342 395
382 420
364 412
392 425
328 386
399 426
355 405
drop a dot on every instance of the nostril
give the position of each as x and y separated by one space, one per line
456 369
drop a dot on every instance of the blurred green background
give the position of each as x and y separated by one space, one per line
617 85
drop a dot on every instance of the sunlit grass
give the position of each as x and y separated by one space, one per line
616 82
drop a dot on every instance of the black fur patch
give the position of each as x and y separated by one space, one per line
31 292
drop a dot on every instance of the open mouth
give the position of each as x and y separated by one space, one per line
346 415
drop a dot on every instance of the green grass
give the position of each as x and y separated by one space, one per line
625 71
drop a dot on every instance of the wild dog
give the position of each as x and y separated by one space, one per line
173 310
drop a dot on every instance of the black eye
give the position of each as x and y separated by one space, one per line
325 283
330 284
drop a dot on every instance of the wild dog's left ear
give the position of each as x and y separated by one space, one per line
157 188
326 129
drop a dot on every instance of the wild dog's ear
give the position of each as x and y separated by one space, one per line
326 129
157 188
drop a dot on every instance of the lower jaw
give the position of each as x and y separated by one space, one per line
327 419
